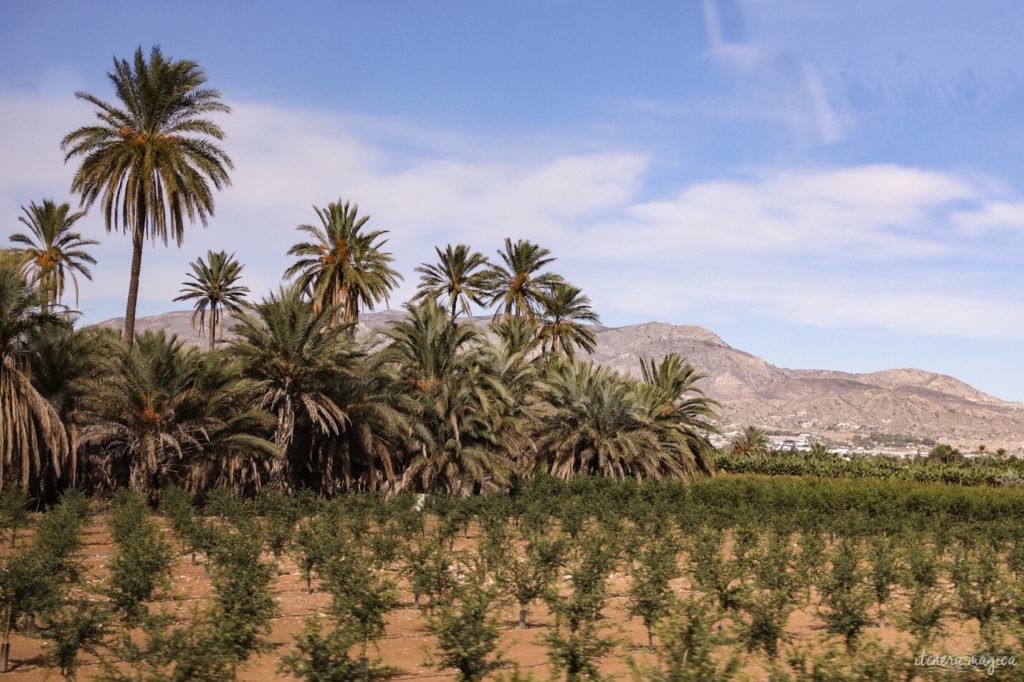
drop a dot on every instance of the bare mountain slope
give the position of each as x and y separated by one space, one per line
823 403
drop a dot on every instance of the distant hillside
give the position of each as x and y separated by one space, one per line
823 403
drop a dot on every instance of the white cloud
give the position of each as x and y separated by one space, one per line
786 242
813 299
940 314
741 56
829 127
425 188
874 212
992 215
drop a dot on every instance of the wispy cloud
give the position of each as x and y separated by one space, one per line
991 216
777 84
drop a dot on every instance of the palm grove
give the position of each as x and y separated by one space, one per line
292 398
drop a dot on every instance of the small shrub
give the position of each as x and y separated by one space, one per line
361 596
651 570
13 510
884 571
140 563
467 633
688 636
78 625
328 658
713 574
308 549
158 651
242 603
845 596
577 641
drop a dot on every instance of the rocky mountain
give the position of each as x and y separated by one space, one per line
825 404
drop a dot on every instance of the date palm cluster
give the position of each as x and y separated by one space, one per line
292 391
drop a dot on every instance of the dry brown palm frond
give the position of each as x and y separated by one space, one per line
29 426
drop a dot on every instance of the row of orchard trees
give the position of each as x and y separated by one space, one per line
293 399
712 579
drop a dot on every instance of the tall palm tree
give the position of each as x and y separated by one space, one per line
565 315
459 278
684 417
457 394
153 157
343 266
30 427
213 284
52 251
518 286
297 359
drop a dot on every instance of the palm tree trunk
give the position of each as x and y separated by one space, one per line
133 287
336 316
455 302
351 298
213 325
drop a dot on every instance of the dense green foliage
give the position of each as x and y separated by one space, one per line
988 470
140 562
750 550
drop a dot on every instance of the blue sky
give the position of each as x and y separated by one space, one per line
835 185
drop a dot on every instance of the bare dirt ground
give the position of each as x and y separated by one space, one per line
407 644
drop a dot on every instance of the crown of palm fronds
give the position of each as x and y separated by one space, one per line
446 368
150 157
32 436
51 250
213 288
518 286
343 266
296 360
167 412
565 315
458 279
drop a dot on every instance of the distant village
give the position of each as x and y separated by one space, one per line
860 445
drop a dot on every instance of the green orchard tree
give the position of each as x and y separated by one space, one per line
319 657
846 596
140 564
688 639
467 630
652 570
577 640
242 602
13 510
